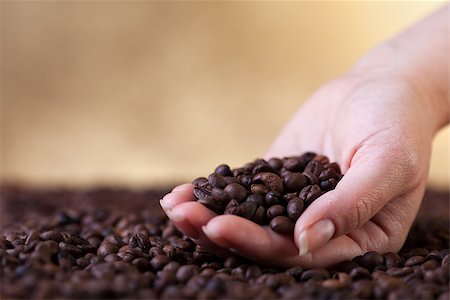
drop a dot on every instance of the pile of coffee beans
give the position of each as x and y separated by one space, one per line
273 192
116 243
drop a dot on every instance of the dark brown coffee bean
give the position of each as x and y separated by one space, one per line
315 274
264 167
186 272
230 179
220 196
328 174
363 289
314 167
333 284
295 182
295 208
52 235
271 181
275 163
333 166
310 193
322 159
392 259
257 199
236 191
259 216
282 224
216 181
369 260
359 273
414 260
271 199
202 192
142 264
246 180
158 262
212 204
252 271
399 272
247 209
275 211
312 179
140 241
33 236
223 170
294 164
232 208
199 181
328 185
259 189
70 248
107 248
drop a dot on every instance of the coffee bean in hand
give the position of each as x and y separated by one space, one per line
271 193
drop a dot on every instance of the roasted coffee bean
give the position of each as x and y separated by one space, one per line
282 224
314 167
259 189
216 181
262 168
232 208
236 191
295 208
202 192
159 261
230 179
369 260
312 179
333 166
200 181
295 182
212 204
294 164
328 174
275 163
310 193
141 241
315 274
52 235
220 196
107 248
275 211
271 199
259 216
328 185
359 273
414 260
392 260
186 272
246 180
223 170
271 181
247 209
257 199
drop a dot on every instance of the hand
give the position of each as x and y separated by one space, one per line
380 134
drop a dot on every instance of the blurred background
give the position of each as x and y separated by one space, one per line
152 93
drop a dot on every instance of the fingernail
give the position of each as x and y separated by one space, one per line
208 232
315 236
164 206
175 216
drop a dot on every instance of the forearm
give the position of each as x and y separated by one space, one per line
420 56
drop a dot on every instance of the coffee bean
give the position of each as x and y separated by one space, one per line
259 216
271 181
230 179
232 208
246 180
315 274
107 248
295 208
223 170
314 167
414 260
201 192
271 199
392 260
294 164
186 272
141 241
263 167
310 193
247 209
236 191
399 272
369 260
216 181
275 211
328 185
257 199
312 179
275 163
359 273
259 189
294 182
199 181
159 261
282 224
333 166
211 204
328 174
52 235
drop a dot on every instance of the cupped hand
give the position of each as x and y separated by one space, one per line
380 132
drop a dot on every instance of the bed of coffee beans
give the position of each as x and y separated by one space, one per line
116 243
273 192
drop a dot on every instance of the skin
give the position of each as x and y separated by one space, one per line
377 121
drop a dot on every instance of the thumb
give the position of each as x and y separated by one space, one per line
363 191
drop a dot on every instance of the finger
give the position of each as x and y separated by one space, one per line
189 217
250 239
362 192
180 194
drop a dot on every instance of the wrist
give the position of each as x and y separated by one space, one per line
386 63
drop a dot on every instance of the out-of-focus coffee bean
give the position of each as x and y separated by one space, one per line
223 170
414 260
392 259
315 274
275 163
158 262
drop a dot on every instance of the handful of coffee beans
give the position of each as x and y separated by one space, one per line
273 192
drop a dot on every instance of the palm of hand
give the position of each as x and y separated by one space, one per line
378 144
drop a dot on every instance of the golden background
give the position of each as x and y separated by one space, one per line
149 93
